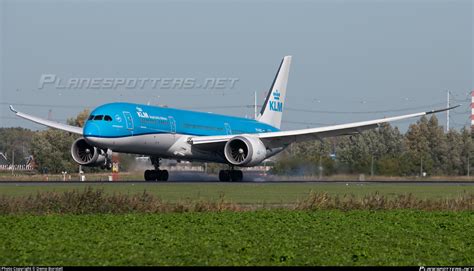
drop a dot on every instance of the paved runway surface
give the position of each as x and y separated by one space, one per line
249 177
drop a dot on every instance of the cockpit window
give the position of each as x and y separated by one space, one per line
91 117
108 118
98 117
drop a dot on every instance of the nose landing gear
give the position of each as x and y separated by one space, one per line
157 174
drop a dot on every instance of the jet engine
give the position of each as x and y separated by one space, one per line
245 151
87 155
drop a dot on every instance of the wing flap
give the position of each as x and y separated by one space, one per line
313 135
201 140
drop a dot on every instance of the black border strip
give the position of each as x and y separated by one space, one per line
208 268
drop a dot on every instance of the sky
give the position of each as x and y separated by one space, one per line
352 60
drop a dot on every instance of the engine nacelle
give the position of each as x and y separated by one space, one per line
245 151
87 155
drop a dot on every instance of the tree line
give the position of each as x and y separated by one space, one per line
425 147
50 148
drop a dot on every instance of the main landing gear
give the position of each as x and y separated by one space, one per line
157 174
231 175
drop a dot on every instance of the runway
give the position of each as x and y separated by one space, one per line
249 177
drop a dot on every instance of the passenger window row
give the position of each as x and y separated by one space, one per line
100 117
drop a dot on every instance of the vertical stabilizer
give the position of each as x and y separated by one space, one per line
272 108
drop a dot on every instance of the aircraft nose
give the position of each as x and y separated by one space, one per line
91 129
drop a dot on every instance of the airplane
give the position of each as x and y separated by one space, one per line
169 133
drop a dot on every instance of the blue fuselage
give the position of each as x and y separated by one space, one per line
126 119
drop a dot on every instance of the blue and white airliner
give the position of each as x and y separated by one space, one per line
171 133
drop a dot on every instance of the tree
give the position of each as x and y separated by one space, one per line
438 148
387 146
417 148
453 153
80 119
17 141
467 148
51 148
304 159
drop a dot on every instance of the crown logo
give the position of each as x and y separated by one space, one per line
276 95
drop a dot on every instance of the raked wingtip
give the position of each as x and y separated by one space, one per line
442 110
13 109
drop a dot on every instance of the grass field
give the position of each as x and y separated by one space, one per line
248 193
84 232
275 237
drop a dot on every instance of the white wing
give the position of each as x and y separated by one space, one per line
49 123
283 138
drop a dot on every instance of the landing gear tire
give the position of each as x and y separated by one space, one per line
149 175
163 176
156 175
224 176
236 175
230 175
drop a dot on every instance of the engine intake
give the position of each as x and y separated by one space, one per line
87 155
245 151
